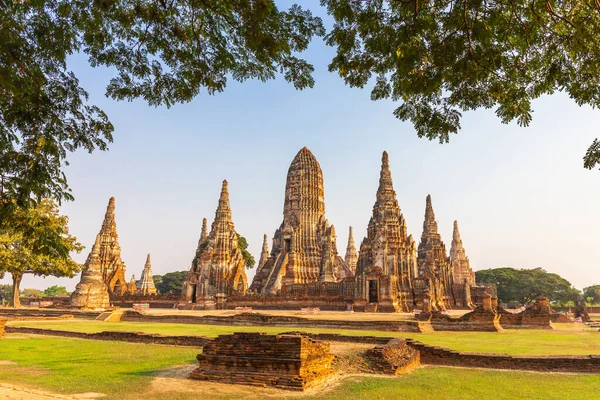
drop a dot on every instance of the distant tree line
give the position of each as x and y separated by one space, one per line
525 285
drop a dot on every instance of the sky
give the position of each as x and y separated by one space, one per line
521 195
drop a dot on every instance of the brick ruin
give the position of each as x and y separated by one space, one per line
145 286
91 292
393 358
218 269
293 362
2 324
304 246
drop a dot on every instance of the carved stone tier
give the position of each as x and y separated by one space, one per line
91 292
304 246
132 286
145 285
218 268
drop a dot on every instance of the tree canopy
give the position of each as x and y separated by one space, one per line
592 292
243 246
441 58
170 283
525 285
164 52
37 242
55 291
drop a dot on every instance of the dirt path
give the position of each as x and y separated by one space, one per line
12 392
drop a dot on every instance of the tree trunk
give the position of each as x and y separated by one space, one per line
16 293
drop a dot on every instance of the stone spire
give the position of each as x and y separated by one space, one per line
204 234
264 254
146 284
218 269
351 254
91 292
132 286
304 246
112 266
388 250
433 263
462 272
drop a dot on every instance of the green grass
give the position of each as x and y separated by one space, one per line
513 342
124 371
74 365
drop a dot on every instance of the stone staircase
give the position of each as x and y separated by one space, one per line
110 316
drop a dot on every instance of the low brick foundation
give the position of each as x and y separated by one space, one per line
440 356
257 319
2 323
292 362
394 358
33 313
133 337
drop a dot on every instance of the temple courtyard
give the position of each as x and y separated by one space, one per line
40 367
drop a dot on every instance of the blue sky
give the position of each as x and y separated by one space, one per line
521 195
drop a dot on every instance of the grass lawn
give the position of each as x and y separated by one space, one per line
127 371
567 340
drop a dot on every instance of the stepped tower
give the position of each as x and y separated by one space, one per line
351 257
145 285
304 246
112 266
460 262
218 268
388 250
264 255
91 292
132 286
433 263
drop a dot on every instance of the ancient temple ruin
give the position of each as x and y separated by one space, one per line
92 292
145 286
264 255
351 257
132 285
462 272
304 247
218 268
387 263
112 266
434 283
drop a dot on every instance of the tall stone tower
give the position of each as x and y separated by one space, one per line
304 246
264 255
91 292
462 272
433 263
112 266
145 285
351 257
388 250
218 267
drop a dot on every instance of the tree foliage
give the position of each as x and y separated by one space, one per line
171 282
163 51
593 292
37 242
525 285
5 293
55 291
243 246
443 57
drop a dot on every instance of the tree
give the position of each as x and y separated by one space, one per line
56 291
162 51
37 242
441 58
5 292
525 285
29 292
171 282
248 258
593 292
